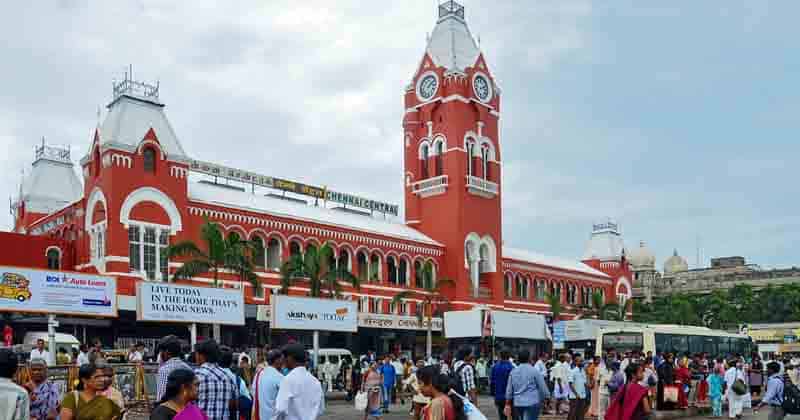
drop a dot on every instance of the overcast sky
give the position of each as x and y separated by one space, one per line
678 119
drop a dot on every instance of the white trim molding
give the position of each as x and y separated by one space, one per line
156 196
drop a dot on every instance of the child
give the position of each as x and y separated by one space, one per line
715 382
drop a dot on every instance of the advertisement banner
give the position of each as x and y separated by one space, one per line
302 313
520 325
398 322
166 302
57 292
463 324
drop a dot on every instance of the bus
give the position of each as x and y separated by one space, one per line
675 339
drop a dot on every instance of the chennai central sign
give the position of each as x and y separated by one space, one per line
397 322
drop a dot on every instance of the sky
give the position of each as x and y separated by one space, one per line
677 119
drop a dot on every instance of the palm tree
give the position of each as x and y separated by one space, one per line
231 254
321 270
554 300
599 309
433 302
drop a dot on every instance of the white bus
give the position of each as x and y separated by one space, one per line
676 339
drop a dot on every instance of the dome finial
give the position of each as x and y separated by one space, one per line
675 252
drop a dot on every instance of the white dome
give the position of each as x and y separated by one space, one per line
675 264
642 257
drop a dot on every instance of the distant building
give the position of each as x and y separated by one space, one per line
724 273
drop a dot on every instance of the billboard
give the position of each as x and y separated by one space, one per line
462 324
302 313
520 325
57 292
166 302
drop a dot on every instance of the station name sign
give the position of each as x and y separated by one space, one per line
397 322
247 177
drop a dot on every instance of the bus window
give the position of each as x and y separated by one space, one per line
663 343
680 344
696 344
723 346
709 347
622 342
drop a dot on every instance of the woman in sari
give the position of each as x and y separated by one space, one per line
591 382
373 386
444 405
631 402
683 377
86 403
177 404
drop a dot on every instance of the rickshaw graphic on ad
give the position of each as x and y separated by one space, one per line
14 286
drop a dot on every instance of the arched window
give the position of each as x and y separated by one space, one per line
362 264
391 268
418 275
485 162
540 289
274 253
439 158
149 158
375 272
259 254
470 158
507 286
402 272
344 259
311 248
295 249
520 287
53 259
423 161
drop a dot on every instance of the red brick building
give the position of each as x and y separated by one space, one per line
140 191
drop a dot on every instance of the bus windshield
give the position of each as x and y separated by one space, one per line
623 341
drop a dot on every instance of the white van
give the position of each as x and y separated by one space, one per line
336 356
67 341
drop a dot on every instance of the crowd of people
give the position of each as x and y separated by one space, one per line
213 383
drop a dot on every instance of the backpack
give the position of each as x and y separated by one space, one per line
791 397
456 380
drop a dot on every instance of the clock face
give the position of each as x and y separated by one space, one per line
427 87
483 91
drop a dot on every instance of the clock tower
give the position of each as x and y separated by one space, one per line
452 158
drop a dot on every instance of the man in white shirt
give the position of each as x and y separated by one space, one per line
560 373
137 355
40 353
604 374
83 356
300 395
735 402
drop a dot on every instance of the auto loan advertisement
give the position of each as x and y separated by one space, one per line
180 303
57 292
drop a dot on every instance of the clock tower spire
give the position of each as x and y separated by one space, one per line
452 157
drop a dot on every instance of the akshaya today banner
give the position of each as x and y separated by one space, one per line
57 292
302 313
169 302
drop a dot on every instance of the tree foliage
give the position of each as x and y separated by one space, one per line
318 267
217 253
724 309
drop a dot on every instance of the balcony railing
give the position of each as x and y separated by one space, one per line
482 187
431 186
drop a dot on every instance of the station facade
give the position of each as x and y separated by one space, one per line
141 191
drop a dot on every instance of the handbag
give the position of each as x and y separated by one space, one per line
361 401
671 393
470 410
739 387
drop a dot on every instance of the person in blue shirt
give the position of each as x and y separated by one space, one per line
266 385
526 390
774 395
389 380
577 390
499 381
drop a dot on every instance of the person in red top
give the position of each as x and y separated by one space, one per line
443 405
683 377
8 336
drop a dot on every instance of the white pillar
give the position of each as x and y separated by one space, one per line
51 341
193 335
316 350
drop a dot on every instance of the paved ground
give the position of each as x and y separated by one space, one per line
341 410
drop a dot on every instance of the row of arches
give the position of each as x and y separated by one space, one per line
479 154
526 287
369 265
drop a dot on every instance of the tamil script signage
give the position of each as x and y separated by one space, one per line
179 303
247 177
301 313
57 292
397 322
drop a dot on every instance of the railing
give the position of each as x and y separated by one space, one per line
430 186
481 186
